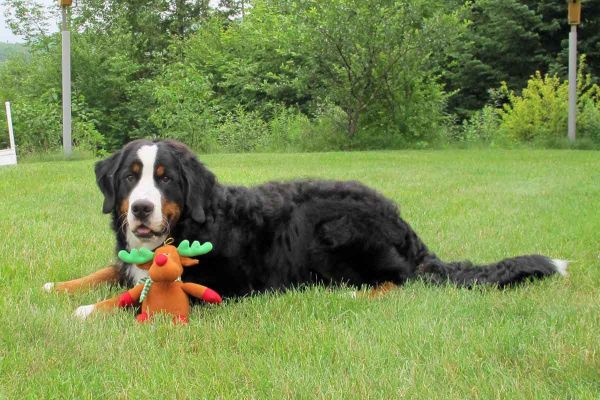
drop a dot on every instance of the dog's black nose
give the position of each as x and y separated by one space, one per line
142 209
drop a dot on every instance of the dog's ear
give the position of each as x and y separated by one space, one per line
105 171
199 182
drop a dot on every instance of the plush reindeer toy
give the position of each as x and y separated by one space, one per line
163 291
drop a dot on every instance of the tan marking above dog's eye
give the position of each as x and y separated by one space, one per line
136 168
160 170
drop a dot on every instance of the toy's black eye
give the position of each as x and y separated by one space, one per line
165 179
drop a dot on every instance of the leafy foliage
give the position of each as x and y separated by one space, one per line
508 40
540 112
502 32
538 115
285 75
482 127
9 50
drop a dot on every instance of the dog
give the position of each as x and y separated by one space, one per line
270 237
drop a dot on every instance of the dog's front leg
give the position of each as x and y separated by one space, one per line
109 274
129 298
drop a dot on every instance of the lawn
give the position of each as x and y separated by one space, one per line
539 341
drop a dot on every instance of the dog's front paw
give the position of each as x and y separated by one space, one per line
48 287
82 312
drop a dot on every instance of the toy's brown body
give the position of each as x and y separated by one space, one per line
167 294
168 297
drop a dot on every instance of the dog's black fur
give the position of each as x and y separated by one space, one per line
280 235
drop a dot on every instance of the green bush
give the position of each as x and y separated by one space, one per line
37 123
183 109
241 131
290 130
539 115
4 140
85 135
481 128
588 122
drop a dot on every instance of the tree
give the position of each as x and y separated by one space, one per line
367 52
29 19
258 63
509 40
554 34
502 45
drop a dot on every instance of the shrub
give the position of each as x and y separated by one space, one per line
588 122
540 113
183 110
482 127
240 131
290 130
4 140
37 123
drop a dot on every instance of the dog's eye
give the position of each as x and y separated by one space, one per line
165 179
130 178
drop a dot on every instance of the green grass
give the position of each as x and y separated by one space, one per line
540 341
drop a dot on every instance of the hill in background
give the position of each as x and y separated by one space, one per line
8 49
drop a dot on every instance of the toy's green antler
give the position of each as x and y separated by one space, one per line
195 249
136 256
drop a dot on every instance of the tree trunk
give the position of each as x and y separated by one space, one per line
353 115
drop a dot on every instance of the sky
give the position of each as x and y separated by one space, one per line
7 36
5 33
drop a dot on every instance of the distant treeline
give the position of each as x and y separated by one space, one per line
302 75
8 50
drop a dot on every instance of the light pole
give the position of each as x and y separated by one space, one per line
66 76
574 20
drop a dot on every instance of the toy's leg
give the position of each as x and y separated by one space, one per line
142 317
180 319
105 275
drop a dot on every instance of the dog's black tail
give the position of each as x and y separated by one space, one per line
507 272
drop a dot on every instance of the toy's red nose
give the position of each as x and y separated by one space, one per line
161 260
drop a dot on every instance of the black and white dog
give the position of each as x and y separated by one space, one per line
273 236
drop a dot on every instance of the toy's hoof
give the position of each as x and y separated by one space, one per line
125 300
83 312
210 296
48 286
181 319
143 317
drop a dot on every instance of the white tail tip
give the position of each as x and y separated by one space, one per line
560 266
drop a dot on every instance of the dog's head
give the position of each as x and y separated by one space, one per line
149 186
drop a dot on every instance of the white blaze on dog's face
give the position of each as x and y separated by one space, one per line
144 214
147 187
